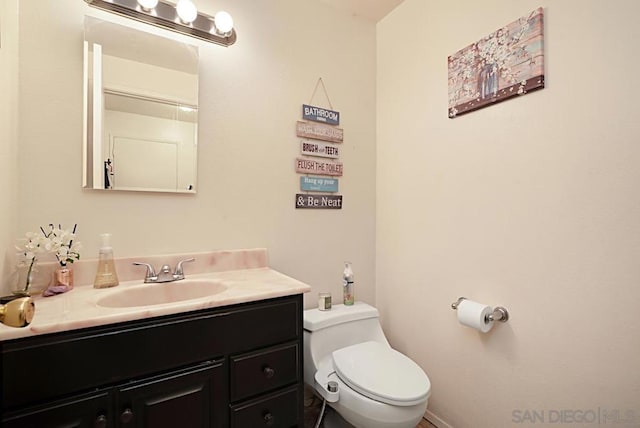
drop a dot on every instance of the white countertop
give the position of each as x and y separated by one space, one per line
79 308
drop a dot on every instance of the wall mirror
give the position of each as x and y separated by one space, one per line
140 110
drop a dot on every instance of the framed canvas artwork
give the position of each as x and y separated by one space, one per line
507 63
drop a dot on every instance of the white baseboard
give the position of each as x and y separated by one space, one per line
436 420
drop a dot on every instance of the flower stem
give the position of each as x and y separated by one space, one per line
28 281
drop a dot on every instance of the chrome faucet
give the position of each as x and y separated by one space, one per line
165 274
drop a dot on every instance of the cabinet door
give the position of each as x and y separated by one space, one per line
190 398
82 412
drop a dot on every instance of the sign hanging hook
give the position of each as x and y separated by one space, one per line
324 89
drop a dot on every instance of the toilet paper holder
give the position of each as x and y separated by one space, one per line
499 313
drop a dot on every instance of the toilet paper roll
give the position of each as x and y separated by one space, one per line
475 315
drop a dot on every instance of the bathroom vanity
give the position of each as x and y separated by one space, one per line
237 366
232 360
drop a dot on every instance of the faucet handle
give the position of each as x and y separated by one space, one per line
151 274
179 271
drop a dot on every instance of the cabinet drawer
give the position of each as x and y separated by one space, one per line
263 325
274 411
265 370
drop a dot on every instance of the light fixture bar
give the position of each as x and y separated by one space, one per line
164 15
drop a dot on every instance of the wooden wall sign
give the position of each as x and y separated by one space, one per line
311 166
319 114
318 131
323 150
319 201
318 184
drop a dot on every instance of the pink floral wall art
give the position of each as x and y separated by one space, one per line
505 64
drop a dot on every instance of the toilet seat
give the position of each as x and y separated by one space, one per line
382 374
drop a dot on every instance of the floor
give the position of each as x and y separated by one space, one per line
425 424
313 405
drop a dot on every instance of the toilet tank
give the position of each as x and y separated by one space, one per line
341 326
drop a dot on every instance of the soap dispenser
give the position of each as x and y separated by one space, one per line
347 284
106 275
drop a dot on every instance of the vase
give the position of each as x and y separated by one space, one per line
22 280
488 81
63 276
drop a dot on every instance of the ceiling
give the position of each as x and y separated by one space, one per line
373 10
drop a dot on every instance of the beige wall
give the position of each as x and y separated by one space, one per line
531 204
251 95
8 128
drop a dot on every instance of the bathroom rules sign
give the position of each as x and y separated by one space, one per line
310 166
323 150
319 114
319 131
332 202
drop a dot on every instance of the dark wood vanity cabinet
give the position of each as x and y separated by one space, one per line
81 411
237 366
189 398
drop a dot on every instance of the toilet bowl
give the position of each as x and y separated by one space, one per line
377 386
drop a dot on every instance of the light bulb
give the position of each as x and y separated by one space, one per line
187 11
223 22
147 5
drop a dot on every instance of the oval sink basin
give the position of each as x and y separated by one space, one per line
163 293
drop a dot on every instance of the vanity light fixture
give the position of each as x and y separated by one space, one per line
181 17
148 5
187 11
222 23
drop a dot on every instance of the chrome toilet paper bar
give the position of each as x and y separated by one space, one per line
499 313
455 304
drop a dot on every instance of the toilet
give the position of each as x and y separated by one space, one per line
349 363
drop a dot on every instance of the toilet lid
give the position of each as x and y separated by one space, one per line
381 373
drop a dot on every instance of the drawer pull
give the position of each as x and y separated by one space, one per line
268 372
101 422
269 420
126 416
